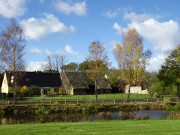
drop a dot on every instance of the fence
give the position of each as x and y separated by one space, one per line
84 101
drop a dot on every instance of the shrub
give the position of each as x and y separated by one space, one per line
145 117
32 90
174 116
102 116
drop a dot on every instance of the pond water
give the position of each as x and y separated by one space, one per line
78 117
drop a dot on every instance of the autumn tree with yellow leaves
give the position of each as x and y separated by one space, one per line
98 63
131 58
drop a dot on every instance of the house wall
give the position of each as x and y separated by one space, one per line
4 88
133 89
68 87
60 90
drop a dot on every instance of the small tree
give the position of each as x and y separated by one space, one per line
170 70
98 63
131 57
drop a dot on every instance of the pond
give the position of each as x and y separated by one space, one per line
77 117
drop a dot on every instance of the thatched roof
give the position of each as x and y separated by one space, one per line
76 78
79 80
35 78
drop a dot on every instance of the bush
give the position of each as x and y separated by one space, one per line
174 116
145 117
32 90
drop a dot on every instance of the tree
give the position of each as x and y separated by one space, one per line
87 65
98 61
54 63
170 70
12 41
70 66
131 57
12 44
114 77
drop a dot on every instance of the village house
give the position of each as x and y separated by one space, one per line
50 83
136 89
75 82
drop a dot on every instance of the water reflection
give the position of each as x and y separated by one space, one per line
76 117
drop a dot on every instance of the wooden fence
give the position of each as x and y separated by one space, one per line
85 101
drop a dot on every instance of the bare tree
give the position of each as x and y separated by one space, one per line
54 63
59 61
12 43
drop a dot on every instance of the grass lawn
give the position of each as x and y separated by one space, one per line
129 127
90 97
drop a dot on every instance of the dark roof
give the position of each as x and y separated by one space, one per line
35 78
76 78
79 80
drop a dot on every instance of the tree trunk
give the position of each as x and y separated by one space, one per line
96 92
178 91
128 93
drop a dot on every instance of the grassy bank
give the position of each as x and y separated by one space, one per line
89 97
129 127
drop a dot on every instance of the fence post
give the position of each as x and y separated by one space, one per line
50 102
8 102
114 101
147 100
77 101
65 101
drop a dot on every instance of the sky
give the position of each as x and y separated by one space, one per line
67 27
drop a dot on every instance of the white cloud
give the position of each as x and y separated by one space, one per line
38 29
35 66
72 52
140 17
118 28
68 7
35 50
48 52
156 62
163 36
110 14
12 8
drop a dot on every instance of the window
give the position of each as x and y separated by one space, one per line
56 90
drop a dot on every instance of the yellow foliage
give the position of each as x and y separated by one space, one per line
24 88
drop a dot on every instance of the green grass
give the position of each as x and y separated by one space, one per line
90 97
129 127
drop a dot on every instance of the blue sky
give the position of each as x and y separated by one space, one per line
69 26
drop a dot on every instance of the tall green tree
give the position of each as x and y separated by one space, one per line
98 63
170 70
70 66
131 58
87 65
